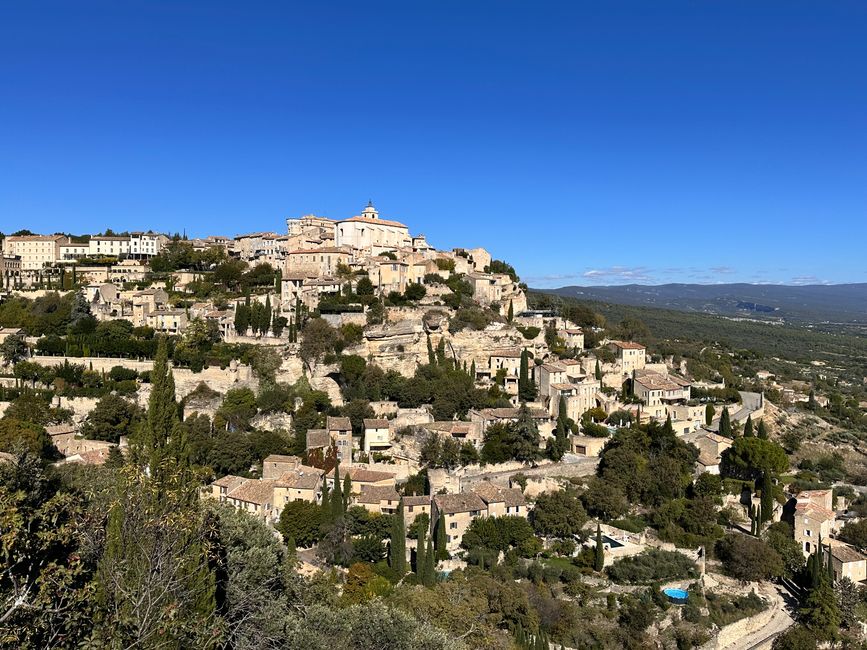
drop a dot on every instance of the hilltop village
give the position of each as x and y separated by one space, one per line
401 424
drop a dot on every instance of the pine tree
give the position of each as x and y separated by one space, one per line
725 425
748 427
762 430
599 556
397 547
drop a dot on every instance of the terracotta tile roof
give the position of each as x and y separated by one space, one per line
373 222
507 354
464 502
14 238
260 491
656 381
491 493
317 438
376 494
574 331
230 481
376 423
627 345
810 509
338 424
554 367
306 479
846 553
421 500
280 458
361 475
92 457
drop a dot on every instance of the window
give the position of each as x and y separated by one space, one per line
453 525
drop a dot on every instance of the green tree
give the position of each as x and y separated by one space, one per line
397 546
526 384
767 499
709 413
13 349
599 555
750 458
111 418
161 423
748 427
442 551
19 436
762 430
749 558
302 521
820 613
155 554
558 514
725 425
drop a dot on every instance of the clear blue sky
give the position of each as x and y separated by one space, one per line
585 142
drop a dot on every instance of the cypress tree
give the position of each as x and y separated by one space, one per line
162 422
667 428
431 359
347 491
511 314
599 558
397 548
762 430
430 575
748 427
420 561
725 425
709 412
767 498
473 370
442 552
265 323
336 496
598 372
326 500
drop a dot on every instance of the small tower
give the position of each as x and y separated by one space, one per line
370 212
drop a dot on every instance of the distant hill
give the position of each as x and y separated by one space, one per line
816 303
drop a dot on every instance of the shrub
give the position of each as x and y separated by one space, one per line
653 565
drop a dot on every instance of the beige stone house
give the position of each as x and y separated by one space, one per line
573 337
413 506
276 464
631 356
710 449
340 432
255 497
659 392
222 486
318 262
457 511
362 477
814 519
382 500
847 562
586 445
300 484
377 435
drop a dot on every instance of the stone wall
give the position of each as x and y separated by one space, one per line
742 628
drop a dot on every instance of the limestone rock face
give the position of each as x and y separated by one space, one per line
273 422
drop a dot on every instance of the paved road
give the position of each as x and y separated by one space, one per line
779 623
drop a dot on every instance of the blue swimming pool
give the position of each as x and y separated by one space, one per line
677 596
